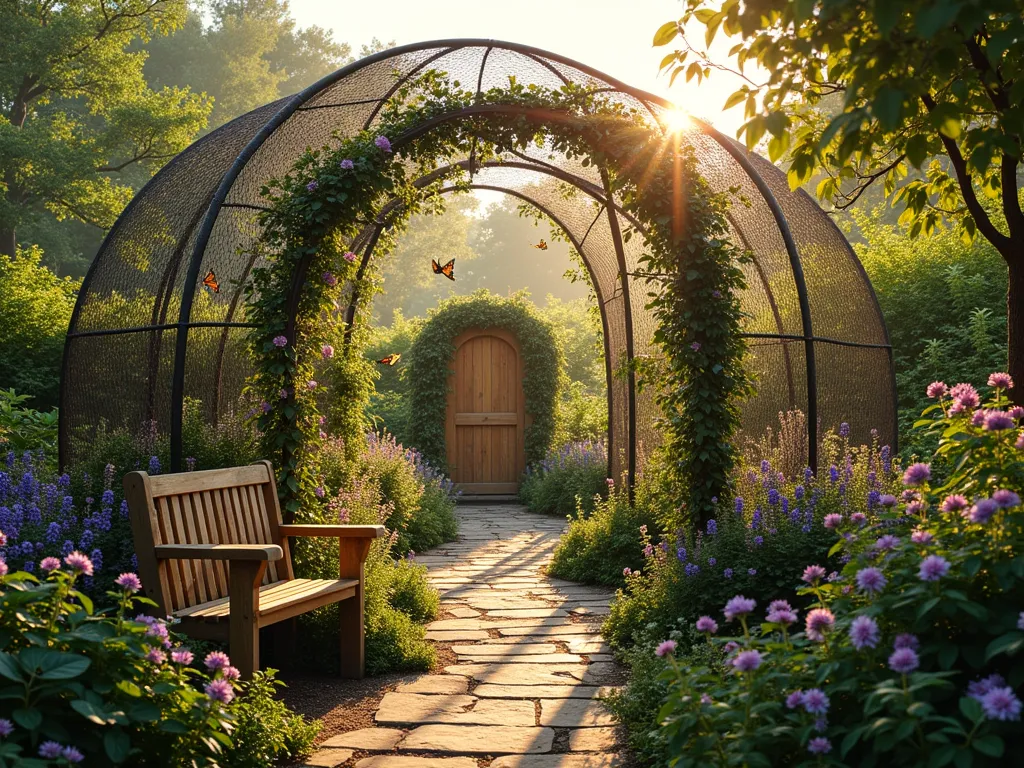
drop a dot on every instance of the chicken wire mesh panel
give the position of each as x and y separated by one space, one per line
841 299
120 382
778 370
140 272
855 386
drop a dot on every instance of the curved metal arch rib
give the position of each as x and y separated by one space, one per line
297 101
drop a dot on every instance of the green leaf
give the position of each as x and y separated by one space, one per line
1010 644
91 712
990 745
10 668
888 107
29 719
970 708
666 33
117 745
64 666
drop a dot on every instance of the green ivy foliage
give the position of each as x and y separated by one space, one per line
430 360
333 193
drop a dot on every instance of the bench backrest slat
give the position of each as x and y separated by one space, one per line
221 506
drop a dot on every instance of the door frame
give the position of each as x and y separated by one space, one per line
521 415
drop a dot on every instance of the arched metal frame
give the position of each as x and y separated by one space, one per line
212 201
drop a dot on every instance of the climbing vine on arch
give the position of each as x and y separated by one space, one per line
331 195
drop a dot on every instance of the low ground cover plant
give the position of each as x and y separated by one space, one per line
568 481
910 653
79 685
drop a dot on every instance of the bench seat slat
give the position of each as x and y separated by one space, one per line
274 598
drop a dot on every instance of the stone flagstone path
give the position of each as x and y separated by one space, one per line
530 669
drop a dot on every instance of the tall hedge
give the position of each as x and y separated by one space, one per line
432 354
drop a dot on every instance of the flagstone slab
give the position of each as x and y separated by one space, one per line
502 623
602 739
527 613
479 739
453 709
499 691
549 630
597 610
558 761
542 658
413 761
368 739
521 674
601 673
588 645
456 635
327 758
574 713
514 649
450 684
462 612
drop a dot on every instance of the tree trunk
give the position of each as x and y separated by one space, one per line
8 243
1015 323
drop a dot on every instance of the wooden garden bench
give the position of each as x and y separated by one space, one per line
213 552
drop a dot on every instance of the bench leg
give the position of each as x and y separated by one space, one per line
352 555
243 629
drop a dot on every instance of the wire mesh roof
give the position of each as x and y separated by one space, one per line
145 337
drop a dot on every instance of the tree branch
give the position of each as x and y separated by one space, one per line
963 176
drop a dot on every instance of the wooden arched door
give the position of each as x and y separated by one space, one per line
486 416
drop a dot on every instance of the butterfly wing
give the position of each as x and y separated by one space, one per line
435 266
210 282
448 270
390 359
541 246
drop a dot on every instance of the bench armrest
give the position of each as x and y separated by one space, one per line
218 552
336 531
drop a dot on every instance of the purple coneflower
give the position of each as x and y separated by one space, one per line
864 633
231 673
50 750
921 537
707 624
784 616
382 143
72 755
833 521
936 389
330 279
665 648
311 187
347 165
626 571
997 421
1001 704
887 500
327 351
917 474
350 257
747 661
1006 499
813 574
904 661
76 561
738 606
128 582
933 568
982 510
311 384
871 580
886 543
859 518
906 640
6 727
216 660
280 341
695 346
978 688
1000 381
182 656
819 621
954 503
795 699
220 690
815 701
156 656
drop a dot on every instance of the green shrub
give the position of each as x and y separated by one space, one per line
758 542
567 480
582 417
412 594
23 428
597 548
911 655
99 687
266 731
35 310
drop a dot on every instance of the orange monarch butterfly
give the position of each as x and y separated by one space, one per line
391 359
541 246
210 282
448 270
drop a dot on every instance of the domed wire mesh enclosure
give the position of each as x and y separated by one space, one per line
145 337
